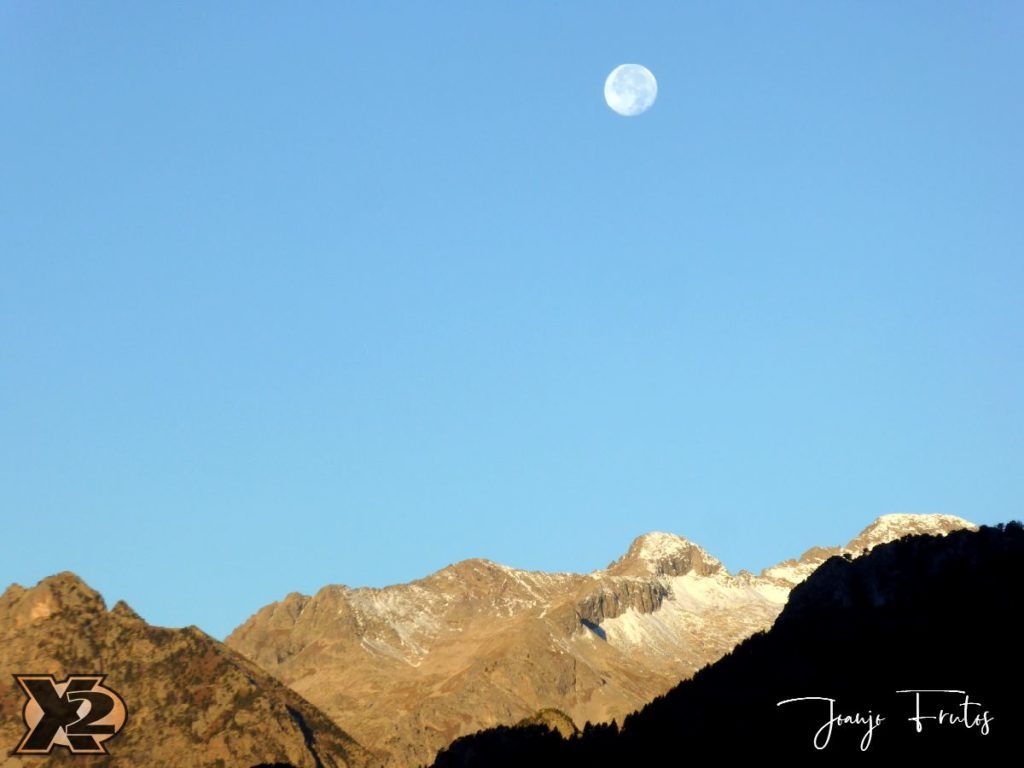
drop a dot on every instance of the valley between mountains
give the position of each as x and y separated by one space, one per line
407 669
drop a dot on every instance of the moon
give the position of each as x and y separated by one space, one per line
630 89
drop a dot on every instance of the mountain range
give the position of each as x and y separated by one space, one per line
409 668
367 677
911 652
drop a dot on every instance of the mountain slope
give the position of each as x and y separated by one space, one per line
411 667
192 702
923 613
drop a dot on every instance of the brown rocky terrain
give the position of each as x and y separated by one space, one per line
553 720
409 668
192 702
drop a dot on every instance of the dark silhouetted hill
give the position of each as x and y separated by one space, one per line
922 613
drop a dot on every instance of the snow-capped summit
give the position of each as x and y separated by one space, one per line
655 545
883 530
895 526
664 554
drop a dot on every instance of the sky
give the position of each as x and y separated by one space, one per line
318 293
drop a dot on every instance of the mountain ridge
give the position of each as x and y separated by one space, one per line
478 643
918 614
192 701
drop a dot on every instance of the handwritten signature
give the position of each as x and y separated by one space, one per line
966 714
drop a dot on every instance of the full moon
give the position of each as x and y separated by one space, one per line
630 89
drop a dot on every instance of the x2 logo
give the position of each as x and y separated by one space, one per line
79 713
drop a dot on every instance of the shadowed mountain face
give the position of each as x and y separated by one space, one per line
924 613
192 702
409 668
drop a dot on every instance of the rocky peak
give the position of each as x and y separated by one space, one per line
477 571
122 610
62 593
664 554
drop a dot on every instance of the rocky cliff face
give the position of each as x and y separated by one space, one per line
409 668
192 702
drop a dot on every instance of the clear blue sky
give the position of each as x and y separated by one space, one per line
341 293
